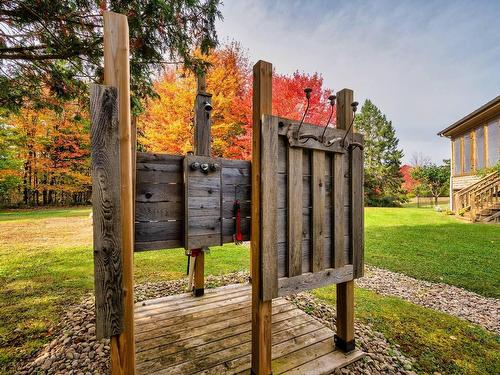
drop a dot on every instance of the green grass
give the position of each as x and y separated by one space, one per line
438 342
46 262
43 213
432 246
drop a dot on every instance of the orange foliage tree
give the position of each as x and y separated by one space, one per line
167 124
54 155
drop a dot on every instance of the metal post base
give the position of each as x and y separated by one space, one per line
345 346
198 292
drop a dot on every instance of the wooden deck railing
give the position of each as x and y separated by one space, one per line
480 195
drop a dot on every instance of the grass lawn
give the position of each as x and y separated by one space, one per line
46 263
432 246
439 342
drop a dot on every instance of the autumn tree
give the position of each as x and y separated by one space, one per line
57 45
166 125
49 155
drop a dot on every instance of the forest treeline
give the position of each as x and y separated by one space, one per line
45 151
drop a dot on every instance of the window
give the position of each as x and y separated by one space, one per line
493 143
467 155
479 149
457 161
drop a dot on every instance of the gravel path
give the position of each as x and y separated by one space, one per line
438 296
75 349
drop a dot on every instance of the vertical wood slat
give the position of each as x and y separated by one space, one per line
117 73
106 214
357 216
339 259
318 209
202 147
269 199
261 310
295 211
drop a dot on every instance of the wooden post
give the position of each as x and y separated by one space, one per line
117 74
201 143
344 338
261 311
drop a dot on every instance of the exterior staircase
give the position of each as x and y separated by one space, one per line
480 202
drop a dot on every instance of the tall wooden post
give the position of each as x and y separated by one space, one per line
344 338
261 311
117 74
202 145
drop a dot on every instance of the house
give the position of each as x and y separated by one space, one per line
475 150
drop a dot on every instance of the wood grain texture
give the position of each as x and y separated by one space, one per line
318 210
117 74
269 199
357 216
203 222
338 202
106 215
345 310
295 210
313 280
202 128
261 310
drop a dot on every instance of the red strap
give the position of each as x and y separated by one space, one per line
195 252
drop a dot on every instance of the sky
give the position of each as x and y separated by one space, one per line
425 64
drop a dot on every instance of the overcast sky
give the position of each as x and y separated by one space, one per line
425 64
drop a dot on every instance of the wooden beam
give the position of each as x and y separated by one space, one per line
117 74
295 182
344 339
106 216
318 210
261 310
201 146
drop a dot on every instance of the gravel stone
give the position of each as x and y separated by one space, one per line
442 297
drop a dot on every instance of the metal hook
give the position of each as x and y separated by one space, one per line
308 97
331 142
331 98
354 106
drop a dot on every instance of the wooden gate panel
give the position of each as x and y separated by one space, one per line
160 202
315 222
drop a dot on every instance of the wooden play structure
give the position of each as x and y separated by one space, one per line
300 204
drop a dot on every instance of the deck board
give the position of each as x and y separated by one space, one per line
212 335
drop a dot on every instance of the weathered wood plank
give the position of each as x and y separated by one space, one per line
106 216
314 280
241 334
294 211
338 202
357 216
327 363
152 193
269 198
261 310
158 245
158 231
117 74
148 157
318 201
159 211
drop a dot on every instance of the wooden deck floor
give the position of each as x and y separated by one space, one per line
212 335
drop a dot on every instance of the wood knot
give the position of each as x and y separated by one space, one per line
210 191
148 195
